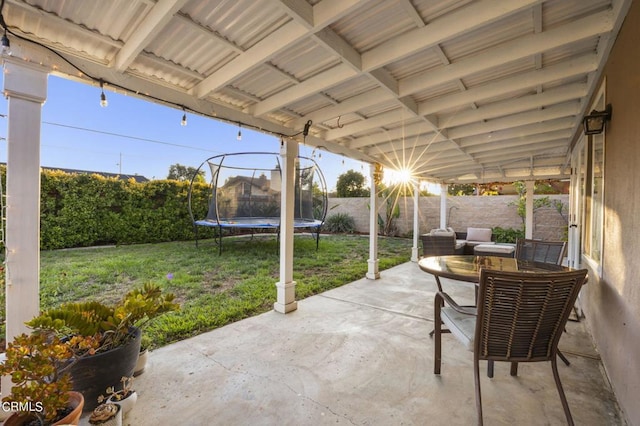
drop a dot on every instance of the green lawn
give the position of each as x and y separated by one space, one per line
213 290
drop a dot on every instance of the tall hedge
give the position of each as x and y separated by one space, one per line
81 210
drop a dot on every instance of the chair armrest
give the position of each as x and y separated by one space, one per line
467 310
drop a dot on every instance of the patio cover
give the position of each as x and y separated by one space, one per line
457 90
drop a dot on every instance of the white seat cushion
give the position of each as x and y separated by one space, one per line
494 248
479 234
442 232
462 326
479 243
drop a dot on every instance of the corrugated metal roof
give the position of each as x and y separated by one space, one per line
490 89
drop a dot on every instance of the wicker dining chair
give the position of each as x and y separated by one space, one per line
519 318
438 245
545 252
541 251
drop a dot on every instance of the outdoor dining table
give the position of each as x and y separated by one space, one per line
467 267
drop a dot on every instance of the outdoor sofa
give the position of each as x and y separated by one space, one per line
480 241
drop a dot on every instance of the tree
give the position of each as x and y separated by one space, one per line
521 204
351 184
179 172
386 225
461 189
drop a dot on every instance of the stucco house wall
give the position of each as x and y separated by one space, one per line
612 301
462 212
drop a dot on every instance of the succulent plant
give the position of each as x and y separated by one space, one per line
37 365
109 326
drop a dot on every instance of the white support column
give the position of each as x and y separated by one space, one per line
528 222
443 206
286 287
415 254
373 272
25 86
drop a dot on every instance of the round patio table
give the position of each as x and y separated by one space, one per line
467 267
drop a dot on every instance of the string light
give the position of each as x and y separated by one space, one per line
103 97
239 137
183 122
6 45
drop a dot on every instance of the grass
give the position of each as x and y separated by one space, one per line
213 290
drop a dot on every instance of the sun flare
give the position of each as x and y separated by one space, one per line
402 176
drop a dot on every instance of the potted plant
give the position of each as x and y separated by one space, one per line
42 387
143 356
106 415
115 332
125 397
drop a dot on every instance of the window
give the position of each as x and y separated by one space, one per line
590 163
246 188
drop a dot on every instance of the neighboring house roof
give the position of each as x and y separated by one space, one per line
260 182
137 178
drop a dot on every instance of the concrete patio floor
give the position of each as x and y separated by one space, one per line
360 355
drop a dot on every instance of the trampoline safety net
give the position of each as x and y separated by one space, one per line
245 192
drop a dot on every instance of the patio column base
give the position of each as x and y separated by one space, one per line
415 255
373 273
286 295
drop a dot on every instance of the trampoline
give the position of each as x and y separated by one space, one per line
244 195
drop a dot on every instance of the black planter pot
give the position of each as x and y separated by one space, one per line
92 375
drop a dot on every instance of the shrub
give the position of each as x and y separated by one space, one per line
82 210
508 235
340 223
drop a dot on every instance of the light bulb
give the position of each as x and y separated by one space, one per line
6 45
184 120
239 137
103 97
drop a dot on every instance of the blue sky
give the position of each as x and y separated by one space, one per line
132 135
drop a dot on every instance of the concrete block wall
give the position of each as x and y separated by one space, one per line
462 212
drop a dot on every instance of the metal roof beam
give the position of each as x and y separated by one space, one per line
512 106
557 111
530 79
149 28
255 56
473 16
567 69
517 132
510 51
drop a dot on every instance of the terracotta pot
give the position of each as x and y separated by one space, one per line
92 375
76 400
